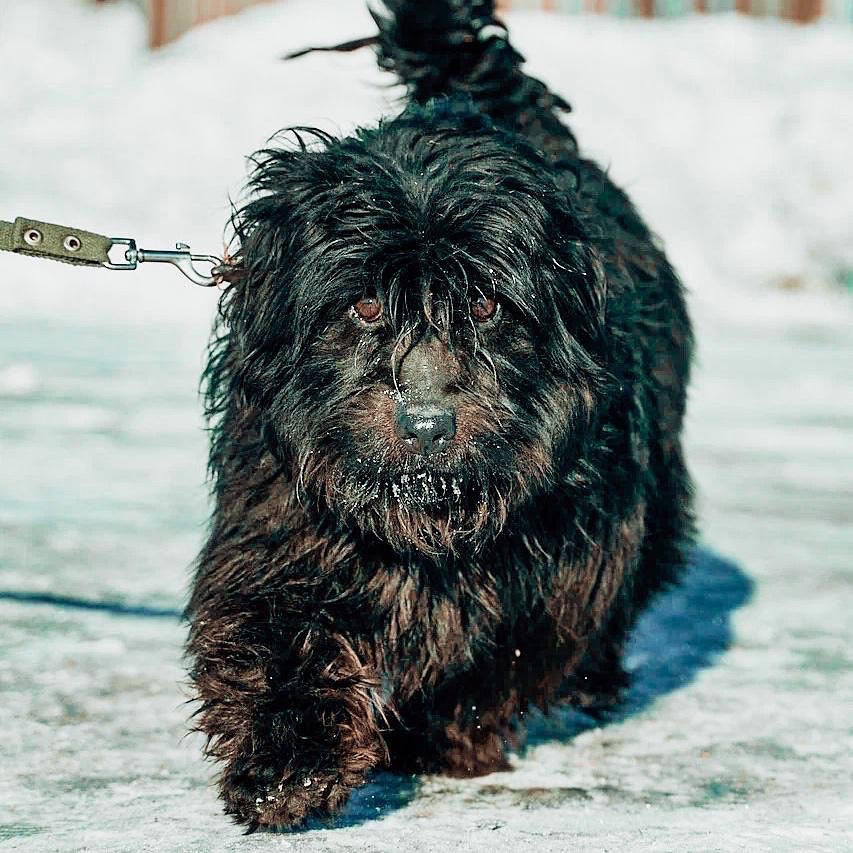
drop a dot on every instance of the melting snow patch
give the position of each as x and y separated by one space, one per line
18 380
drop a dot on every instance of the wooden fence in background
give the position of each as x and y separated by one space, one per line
795 10
169 18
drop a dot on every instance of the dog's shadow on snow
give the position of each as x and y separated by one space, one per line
683 632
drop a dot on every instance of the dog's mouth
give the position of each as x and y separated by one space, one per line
425 488
438 482
435 504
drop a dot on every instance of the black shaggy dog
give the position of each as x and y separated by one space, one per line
447 391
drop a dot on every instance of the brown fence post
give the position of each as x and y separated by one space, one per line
156 22
803 10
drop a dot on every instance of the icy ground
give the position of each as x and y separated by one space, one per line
734 137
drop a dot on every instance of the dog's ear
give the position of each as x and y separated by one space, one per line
279 273
282 185
275 229
288 186
581 296
594 294
587 299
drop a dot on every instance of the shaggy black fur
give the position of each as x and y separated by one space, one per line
451 500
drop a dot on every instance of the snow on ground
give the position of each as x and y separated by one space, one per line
732 135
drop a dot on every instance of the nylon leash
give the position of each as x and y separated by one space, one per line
85 248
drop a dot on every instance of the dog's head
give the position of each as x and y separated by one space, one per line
418 319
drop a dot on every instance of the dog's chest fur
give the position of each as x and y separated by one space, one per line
431 620
484 615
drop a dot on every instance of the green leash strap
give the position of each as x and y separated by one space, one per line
56 242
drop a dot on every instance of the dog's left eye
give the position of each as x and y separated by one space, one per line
368 310
484 309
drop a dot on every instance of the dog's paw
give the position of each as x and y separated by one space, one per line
474 750
263 798
596 694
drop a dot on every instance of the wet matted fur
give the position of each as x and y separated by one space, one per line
359 604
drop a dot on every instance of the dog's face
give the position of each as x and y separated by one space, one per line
419 323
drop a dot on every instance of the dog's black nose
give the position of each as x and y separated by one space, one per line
425 429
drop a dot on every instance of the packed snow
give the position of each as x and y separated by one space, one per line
733 136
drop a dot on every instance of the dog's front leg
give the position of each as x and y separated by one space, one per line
287 706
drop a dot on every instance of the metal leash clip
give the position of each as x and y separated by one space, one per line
181 257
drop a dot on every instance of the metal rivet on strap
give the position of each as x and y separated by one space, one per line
32 236
72 243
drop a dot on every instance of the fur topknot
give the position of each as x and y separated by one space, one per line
440 48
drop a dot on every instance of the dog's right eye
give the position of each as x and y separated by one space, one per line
484 309
368 310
